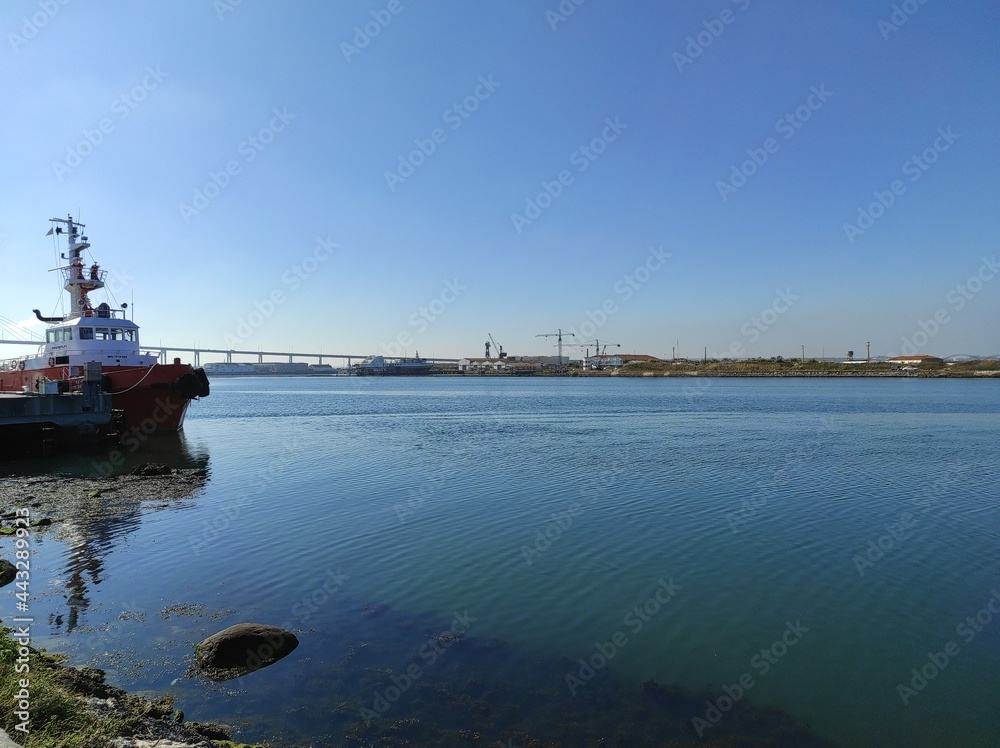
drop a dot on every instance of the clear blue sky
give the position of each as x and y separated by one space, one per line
184 89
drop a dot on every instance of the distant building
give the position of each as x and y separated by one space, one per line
616 360
481 364
267 368
544 360
922 358
509 365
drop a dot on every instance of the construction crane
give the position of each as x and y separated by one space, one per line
558 334
599 350
500 351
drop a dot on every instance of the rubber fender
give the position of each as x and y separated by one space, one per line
203 378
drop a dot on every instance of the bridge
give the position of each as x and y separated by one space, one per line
163 353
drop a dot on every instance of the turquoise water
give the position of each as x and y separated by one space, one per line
700 533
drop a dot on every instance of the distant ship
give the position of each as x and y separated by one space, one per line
381 366
271 369
153 396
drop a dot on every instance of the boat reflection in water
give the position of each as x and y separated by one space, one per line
92 514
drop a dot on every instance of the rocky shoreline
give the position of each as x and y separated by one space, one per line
140 722
58 501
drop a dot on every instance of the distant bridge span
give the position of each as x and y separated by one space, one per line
163 353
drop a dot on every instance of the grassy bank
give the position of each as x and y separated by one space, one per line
62 715
807 368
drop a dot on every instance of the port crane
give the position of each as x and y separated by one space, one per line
558 334
500 350
599 348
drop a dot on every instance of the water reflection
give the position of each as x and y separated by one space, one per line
92 501
173 449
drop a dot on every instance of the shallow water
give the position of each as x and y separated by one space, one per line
365 513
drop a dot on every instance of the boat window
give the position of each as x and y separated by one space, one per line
58 335
102 333
86 333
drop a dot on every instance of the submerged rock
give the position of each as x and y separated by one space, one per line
242 649
8 572
211 730
151 469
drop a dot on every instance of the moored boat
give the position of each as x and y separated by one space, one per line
153 396
381 366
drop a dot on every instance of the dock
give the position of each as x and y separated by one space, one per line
51 419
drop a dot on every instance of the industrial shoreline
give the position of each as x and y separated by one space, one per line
983 368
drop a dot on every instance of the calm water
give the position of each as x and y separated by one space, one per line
366 513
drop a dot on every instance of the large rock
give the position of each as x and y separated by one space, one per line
8 572
151 469
242 649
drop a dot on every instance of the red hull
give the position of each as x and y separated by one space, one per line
147 395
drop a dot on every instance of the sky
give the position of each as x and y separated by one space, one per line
721 177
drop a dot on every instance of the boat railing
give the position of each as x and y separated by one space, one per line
13 364
97 314
81 273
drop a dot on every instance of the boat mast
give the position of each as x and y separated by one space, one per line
80 281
